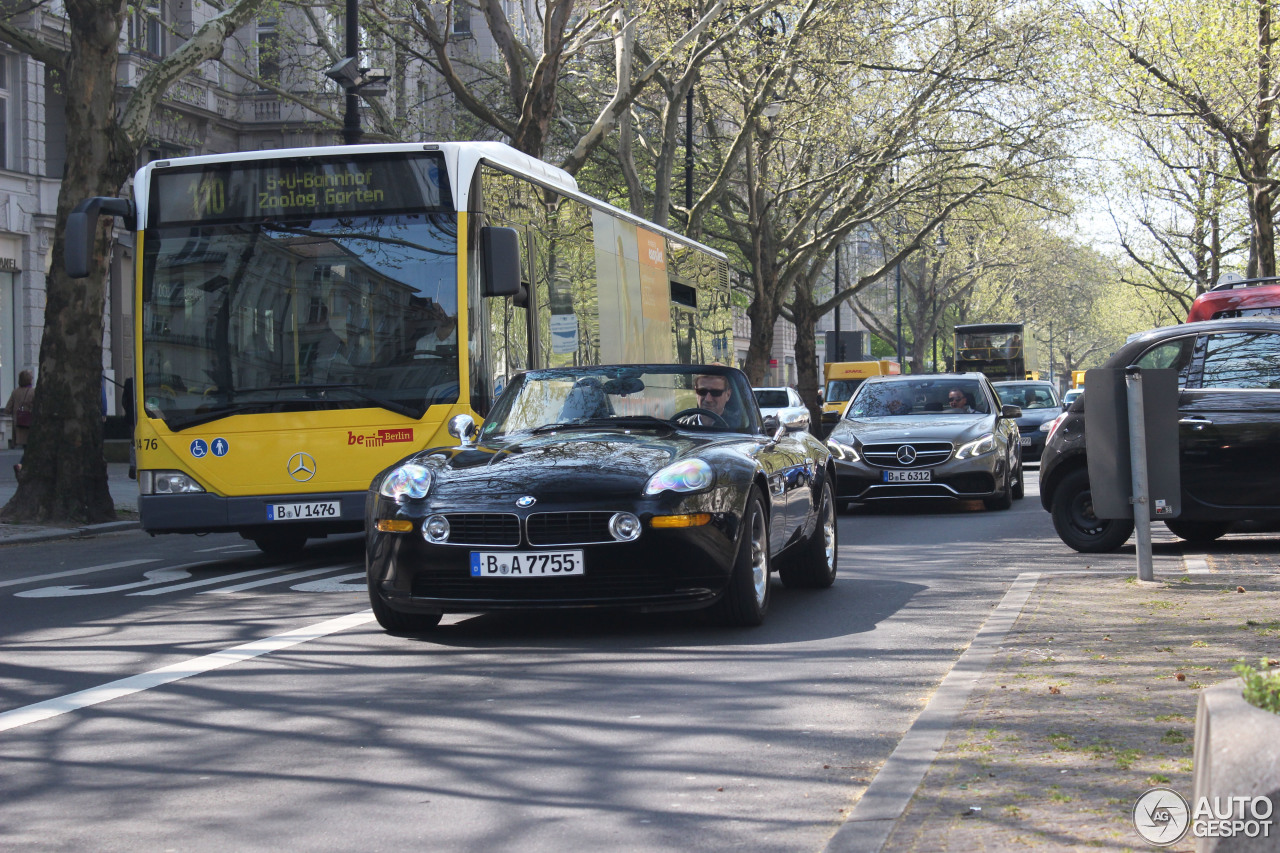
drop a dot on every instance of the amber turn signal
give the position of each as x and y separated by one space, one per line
695 520
394 525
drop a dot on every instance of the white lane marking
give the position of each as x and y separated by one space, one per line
338 583
205 582
73 572
269 581
153 577
1196 564
176 671
236 547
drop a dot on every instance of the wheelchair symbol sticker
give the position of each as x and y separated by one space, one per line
220 447
199 449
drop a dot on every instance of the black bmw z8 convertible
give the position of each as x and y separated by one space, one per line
644 487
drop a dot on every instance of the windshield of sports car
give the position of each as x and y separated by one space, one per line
658 397
919 397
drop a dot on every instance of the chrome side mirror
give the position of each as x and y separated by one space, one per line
793 421
463 428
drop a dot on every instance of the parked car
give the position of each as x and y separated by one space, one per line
902 437
1228 434
1070 397
1040 405
604 486
1238 297
781 402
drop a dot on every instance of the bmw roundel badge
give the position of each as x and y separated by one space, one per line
526 501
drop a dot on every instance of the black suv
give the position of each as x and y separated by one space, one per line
1228 434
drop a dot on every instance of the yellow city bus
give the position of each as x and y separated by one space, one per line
307 317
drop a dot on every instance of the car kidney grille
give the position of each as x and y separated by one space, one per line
927 453
483 528
568 528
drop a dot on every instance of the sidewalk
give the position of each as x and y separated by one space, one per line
123 490
1090 699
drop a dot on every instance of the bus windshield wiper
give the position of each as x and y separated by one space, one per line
310 396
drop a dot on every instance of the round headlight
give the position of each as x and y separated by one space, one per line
407 481
436 529
624 526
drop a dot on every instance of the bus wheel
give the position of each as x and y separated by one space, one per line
281 545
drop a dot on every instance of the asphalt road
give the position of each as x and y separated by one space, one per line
152 697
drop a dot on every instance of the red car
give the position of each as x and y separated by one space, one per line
1246 297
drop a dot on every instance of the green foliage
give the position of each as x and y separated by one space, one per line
1261 686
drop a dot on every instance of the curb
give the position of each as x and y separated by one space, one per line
35 534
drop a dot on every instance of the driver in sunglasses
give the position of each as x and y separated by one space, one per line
713 395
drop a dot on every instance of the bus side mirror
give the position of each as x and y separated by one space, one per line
82 227
500 254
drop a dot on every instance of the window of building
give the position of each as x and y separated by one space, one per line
268 50
461 19
147 28
6 101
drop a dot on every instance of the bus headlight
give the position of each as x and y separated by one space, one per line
977 447
167 483
408 481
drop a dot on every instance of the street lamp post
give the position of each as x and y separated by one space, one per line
354 80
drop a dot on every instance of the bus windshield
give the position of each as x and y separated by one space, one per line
299 313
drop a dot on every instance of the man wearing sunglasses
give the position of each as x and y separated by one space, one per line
713 395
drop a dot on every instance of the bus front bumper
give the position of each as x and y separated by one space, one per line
314 514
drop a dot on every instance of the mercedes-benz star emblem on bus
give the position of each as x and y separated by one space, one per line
302 467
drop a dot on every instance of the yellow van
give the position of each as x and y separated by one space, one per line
842 378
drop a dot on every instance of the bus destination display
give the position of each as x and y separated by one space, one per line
318 187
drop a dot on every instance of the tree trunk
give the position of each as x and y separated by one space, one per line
64 474
805 315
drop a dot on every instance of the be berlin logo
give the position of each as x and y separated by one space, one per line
1162 817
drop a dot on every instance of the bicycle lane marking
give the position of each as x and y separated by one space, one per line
60 705
73 572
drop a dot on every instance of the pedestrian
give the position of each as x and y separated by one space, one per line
20 407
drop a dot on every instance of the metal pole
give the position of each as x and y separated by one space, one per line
1138 470
351 131
898 288
839 343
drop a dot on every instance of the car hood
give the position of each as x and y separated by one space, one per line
1035 417
956 428
568 464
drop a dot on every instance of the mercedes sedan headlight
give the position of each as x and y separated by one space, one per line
408 481
687 475
842 451
977 447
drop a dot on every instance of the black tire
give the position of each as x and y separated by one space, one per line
812 565
281 545
1197 532
1075 522
1019 487
1004 498
395 622
746 597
